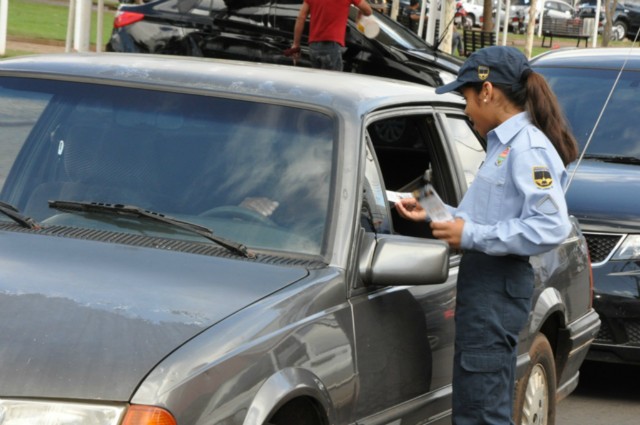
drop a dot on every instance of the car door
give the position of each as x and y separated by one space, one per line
404 335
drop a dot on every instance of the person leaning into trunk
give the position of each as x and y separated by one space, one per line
514 208
327 29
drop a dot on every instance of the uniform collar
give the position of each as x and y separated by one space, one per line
508 129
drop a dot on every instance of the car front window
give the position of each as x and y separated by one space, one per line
583 93
252 172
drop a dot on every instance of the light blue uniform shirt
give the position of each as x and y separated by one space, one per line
516 203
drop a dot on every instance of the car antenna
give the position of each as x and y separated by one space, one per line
606 102
444 33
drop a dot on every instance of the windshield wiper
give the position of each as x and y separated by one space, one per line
132 210
14 214
619 159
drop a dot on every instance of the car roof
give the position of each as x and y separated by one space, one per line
330 89
602 57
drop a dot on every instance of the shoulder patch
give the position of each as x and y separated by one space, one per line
542 177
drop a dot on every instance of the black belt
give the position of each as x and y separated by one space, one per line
524 258
516 257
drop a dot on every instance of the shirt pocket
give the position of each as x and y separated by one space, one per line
489 194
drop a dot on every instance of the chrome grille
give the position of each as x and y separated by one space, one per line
601 245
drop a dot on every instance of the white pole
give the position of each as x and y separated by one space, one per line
83 25
4 12
496 21
506 24
594 42
423 8
70 26
431 24
99 24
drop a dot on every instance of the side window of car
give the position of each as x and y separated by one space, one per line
405 147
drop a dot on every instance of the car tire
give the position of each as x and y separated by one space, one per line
535 398
618 31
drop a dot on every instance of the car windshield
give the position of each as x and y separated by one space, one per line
583 93
252 172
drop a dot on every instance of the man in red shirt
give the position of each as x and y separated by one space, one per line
327 28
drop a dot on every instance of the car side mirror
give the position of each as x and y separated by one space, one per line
394 260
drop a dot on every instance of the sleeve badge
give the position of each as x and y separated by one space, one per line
542 177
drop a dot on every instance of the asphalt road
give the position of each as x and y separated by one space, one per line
608 394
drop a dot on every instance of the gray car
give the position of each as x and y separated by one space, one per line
190 241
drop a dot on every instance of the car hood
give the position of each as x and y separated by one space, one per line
441 60
88 320
604 194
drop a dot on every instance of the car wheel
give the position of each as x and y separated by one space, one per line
535 402
618 31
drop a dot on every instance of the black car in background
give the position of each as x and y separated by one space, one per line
604 191
625 21
262 30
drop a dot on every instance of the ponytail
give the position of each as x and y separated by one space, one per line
546 114
534 95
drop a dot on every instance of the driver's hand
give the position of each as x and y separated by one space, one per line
411 209
264 206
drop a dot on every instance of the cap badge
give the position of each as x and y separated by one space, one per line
483 72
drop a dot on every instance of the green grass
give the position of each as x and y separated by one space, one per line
36 20
520 39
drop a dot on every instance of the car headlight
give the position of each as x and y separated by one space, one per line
629 249
28 412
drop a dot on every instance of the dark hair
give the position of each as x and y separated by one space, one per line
534 95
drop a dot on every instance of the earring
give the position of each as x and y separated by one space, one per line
485 100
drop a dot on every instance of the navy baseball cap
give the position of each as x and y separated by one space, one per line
495 64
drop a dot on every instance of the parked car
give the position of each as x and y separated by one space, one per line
519 12
603 193
475 11
620 28
262 30
206 241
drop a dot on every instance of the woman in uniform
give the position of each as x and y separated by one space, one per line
514 208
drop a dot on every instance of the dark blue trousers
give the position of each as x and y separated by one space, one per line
492 306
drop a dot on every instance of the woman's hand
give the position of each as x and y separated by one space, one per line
448 231
410 209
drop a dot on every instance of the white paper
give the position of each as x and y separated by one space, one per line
436 209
